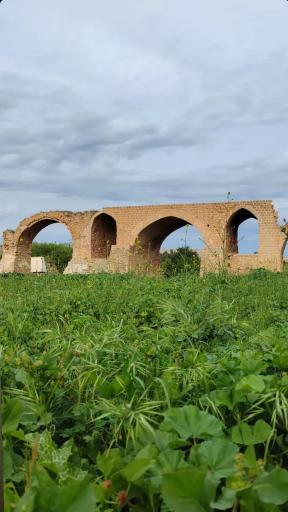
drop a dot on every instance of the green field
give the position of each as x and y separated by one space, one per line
145 394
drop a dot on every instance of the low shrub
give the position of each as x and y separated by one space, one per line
180 261
57 255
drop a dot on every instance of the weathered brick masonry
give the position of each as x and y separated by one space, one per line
122 239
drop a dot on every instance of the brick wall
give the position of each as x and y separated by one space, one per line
120 239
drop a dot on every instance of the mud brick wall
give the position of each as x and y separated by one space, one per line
122 239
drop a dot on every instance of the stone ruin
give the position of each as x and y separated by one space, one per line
124 239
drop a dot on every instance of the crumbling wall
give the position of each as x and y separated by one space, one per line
122 239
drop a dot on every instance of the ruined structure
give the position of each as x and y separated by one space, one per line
123 239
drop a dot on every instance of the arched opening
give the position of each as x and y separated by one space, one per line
166 234
243 233
188 236
103 236
45 246
180 252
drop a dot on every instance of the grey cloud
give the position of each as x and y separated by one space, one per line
52 132
142 106
44 131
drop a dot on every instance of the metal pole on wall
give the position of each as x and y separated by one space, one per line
1 456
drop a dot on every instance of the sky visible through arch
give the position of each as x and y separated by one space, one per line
115 103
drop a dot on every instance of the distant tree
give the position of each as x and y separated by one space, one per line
180 261
57 255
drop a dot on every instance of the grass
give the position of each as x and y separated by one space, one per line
91 363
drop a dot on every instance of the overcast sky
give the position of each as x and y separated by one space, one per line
124 102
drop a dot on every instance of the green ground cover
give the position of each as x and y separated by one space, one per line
145 394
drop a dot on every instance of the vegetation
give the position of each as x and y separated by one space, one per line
145 394
180 261
57 255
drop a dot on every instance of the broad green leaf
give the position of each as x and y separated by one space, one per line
170 460
77 496
250 435
53 458
11 415
223 397
7 464
165 440
167 462
148 452
46 490
22 376
262 431
250 502
99 493
189 421
225 501
10 498
187 490
18 434
251 384
273 487
242 434
250 456
136 469
109 462
228 397
253 365
26 502
219 455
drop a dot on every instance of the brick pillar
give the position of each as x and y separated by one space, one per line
9 252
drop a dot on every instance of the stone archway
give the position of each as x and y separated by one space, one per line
24 239
237 218
146 249
103 236
107 240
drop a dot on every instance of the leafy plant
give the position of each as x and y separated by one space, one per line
132 393
183 260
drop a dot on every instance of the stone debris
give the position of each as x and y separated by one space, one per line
38 265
